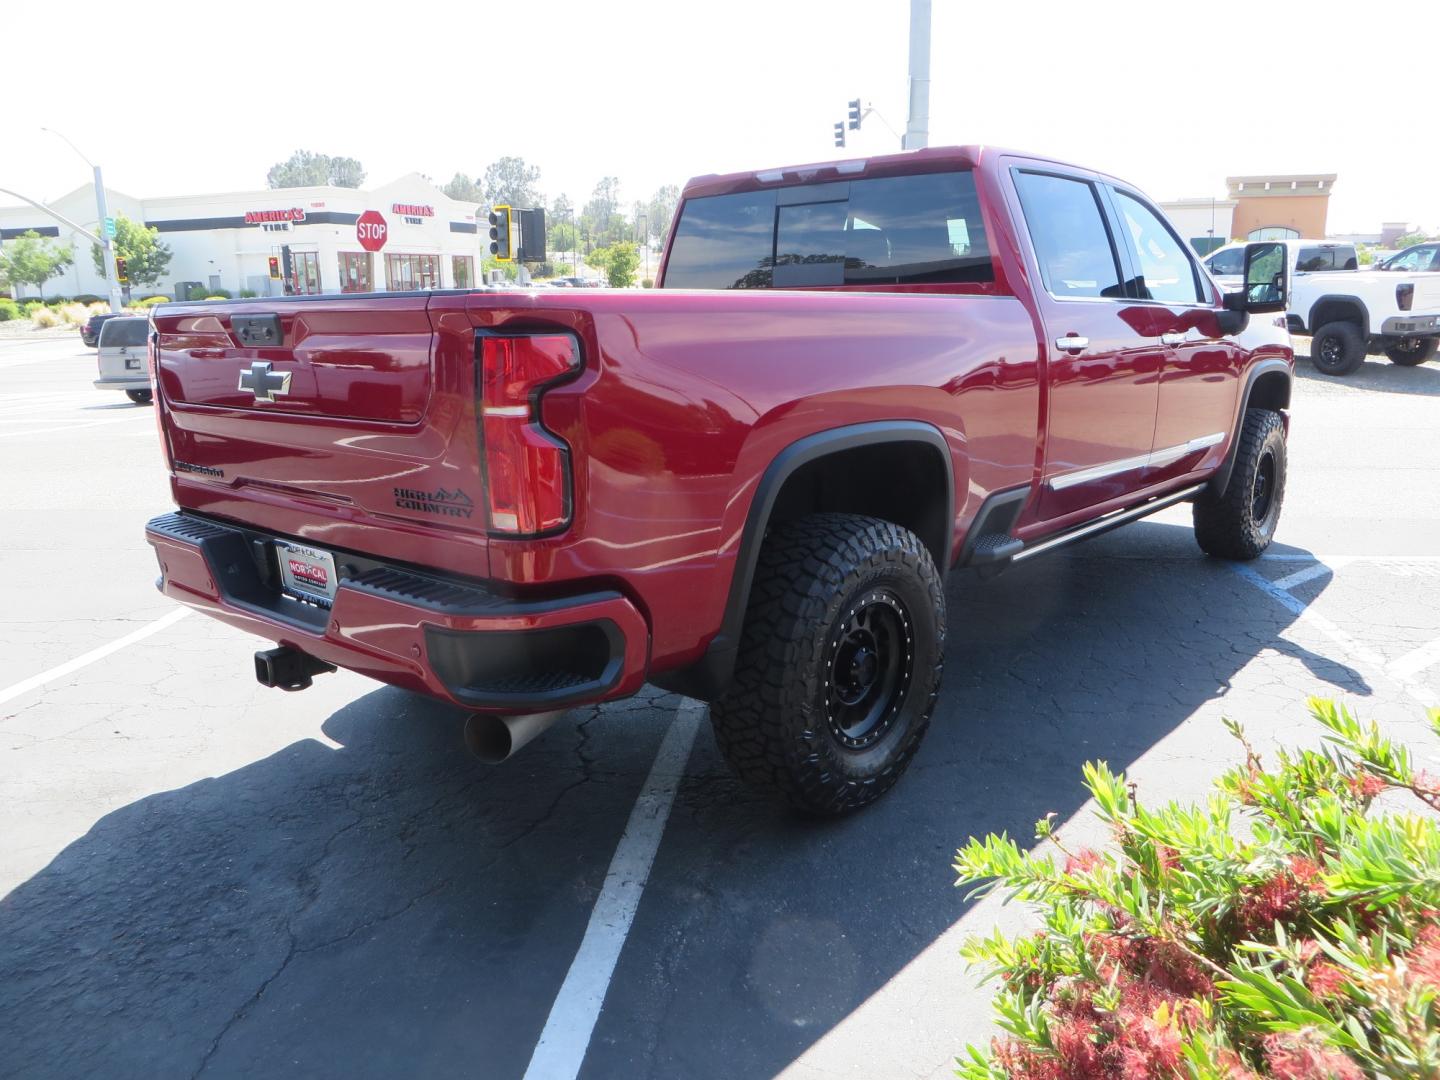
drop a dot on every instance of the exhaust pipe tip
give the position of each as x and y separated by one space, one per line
494 739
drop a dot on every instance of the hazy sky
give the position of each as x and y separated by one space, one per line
186 98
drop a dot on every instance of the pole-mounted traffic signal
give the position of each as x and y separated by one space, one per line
500 233
855 115
121 274
275 267
840 133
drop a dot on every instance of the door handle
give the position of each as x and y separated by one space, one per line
1172 339
1073 343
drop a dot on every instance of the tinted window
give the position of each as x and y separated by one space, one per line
894 230
1230 262
1071 241
723 242
1320 259
1166 273
117 332
1420 258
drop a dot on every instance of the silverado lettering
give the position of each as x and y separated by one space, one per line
747 485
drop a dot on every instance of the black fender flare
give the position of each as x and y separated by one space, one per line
1338 298
1266 367
707 678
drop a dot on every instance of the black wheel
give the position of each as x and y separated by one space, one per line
839 665
1338 348
1240 522
139 397
1412 351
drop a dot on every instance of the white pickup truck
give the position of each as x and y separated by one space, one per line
1350 312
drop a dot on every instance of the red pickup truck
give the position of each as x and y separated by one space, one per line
747 485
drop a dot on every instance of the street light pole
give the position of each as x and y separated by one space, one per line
117 302
917 127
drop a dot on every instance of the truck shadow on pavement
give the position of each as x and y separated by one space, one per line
1379 374
392 908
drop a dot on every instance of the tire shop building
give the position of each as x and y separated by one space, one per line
407 234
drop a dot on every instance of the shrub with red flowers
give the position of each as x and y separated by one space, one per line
1287 928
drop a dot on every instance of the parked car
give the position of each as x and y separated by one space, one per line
1350 313
122 357
1421 258
747 485
1306 257
90 328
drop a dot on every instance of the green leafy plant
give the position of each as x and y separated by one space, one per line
150 301
1286 928
9 309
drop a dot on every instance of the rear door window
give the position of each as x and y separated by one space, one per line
1072 242
900 230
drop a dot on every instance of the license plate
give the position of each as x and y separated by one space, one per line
307 572
132 363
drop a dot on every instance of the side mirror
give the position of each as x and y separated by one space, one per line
1267 279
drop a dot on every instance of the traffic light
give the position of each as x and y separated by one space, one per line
532 235
855 115
274 267
500 233
840 133
121 274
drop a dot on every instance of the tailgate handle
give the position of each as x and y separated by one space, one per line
256 329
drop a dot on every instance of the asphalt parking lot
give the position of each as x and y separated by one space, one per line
205 877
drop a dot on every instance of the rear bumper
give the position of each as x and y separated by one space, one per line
1411 325
458 641
137 381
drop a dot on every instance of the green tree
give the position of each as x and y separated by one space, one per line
619 261
511 182
601 219
1410 240
307 169
662 209
146 256
464 188
30 259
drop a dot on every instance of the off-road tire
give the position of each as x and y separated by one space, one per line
1240 522
139 397
1413 352
1338 348
780 724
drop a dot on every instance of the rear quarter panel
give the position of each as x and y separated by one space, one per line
688 397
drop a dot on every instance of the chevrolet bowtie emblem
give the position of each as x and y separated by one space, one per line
263 382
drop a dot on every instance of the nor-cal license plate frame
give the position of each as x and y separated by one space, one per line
307 573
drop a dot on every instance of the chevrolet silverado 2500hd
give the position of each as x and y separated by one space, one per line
746 485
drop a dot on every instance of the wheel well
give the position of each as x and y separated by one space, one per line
903 482
1330 309
1271 391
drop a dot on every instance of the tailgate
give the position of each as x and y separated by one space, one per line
349 421
1427 293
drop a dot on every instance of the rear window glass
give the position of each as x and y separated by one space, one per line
887 231
116 332
1230 262
1320 259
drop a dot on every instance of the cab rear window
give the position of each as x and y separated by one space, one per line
902 230
1320 259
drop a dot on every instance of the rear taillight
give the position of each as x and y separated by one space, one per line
1404 296
527 469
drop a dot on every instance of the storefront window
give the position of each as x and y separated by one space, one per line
304 273
355 272
407 272
464 269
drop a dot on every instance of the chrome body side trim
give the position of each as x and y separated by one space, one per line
1140 461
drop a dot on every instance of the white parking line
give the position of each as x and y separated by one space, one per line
1371 664
1299 577
1412 663
566 1037
86 659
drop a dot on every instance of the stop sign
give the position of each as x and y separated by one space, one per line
370 230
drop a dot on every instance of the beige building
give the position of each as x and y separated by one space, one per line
1279 207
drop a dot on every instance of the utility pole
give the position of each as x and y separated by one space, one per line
917 127
117 302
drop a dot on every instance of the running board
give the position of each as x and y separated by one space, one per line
1110 521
